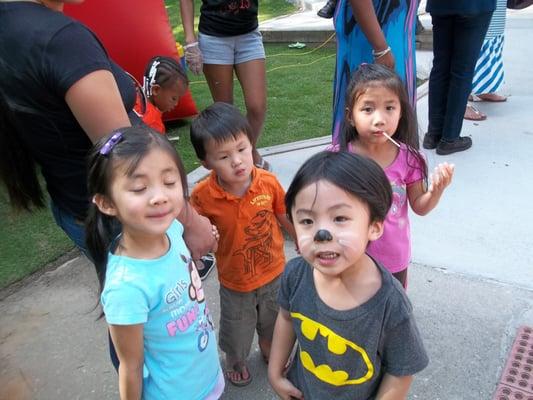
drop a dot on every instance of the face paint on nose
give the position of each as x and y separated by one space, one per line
323 235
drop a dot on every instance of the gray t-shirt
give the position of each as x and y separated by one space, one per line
344 354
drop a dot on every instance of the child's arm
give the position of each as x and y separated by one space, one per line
287 225
394 387
422 201
129 344
282 344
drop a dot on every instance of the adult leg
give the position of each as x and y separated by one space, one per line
439 77
252 77
220 81
469 32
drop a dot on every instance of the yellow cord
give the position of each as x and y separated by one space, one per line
290 65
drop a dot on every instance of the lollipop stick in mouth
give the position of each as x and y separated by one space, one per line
391 139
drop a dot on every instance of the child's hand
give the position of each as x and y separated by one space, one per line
441 177
286 390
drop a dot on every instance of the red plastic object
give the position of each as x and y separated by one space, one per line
132 32
516 382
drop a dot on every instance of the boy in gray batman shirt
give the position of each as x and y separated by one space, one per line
344 354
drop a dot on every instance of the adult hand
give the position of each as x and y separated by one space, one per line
193 58
387 60
199 234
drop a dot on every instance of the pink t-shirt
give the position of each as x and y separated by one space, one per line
393 248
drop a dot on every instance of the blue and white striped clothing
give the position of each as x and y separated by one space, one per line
489 74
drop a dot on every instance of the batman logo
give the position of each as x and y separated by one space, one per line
336 345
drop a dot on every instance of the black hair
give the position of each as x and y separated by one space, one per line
161 71
377 75
357 175
133 145
218 122
18 170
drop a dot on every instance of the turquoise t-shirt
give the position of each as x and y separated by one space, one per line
166 295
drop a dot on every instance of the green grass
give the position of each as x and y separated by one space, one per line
28 242
299 90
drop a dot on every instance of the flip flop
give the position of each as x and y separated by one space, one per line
237 370
473 114
491 97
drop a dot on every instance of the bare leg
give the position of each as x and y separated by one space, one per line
220 81
252 77
264 346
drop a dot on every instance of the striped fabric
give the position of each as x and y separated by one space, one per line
489 75
497 22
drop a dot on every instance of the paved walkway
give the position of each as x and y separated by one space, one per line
471 282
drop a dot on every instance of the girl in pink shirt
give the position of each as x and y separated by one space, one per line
381 125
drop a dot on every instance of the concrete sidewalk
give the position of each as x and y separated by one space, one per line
471 281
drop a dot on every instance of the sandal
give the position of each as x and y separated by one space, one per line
473 114
235 376
491 97
264 164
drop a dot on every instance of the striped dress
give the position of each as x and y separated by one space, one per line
397 19
489 76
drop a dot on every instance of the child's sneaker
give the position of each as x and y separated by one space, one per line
205 265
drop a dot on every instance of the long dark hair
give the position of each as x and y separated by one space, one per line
18 170
128 145
377 75
357 175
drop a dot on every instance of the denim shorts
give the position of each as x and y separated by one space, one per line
241 314
231 50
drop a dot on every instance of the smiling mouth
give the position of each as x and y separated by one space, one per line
327 255
159 215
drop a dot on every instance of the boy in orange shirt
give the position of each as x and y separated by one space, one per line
246 204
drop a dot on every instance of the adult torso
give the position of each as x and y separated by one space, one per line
42 54
228 17
466 7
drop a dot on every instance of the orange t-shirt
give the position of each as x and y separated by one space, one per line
250 250
151 117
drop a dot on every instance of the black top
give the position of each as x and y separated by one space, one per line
42 54
228 17
454 7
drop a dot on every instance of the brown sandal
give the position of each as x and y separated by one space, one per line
473 114
236 374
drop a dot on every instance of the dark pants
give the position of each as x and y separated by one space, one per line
457 40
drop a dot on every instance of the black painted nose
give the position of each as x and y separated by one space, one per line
323 235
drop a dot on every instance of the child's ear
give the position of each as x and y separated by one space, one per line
105 205
205 164
348 116
155 89
375 230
